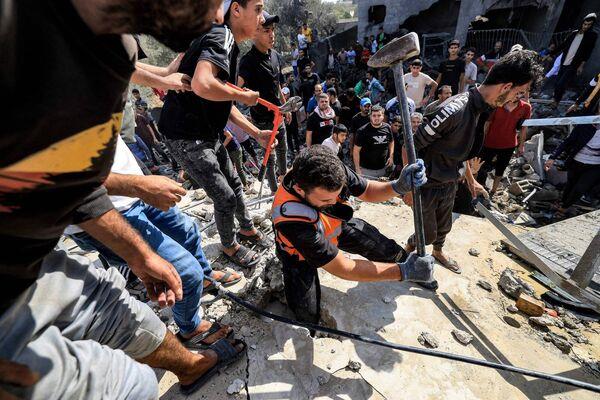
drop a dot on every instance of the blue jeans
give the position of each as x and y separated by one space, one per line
174 236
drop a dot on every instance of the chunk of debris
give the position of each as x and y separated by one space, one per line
545 195
428 340
322 379
524 219
484 285
559 341
569 321
512 309
511 321
462 336
542 321
198 194
258 219
474 252
236 386
512 285
520 187
266 224
354 365
530 306
386 300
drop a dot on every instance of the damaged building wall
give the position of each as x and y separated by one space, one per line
396 12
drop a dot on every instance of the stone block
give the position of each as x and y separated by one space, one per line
530 305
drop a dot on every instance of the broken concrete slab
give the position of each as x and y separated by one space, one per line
279 366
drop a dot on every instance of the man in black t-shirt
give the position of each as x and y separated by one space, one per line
308 80
192 122
320 123
313 221
358 121
260 70
350 106
452 70
334 103
374 146
68 329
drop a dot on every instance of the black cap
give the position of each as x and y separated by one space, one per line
454 42
270 19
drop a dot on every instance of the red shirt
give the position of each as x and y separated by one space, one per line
502 133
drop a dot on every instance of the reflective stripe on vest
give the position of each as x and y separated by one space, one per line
289 208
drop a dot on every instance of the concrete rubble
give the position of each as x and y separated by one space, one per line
484 285
513 285
527 193
236 386
284 362
428 340
462 336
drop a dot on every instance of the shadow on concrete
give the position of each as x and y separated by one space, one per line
305 379
533 389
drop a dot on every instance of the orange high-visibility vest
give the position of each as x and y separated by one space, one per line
288 207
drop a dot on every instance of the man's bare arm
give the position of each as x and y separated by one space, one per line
205 84
356 157
162 71
175 81
362 270
158 191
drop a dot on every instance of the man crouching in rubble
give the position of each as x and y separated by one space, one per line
313 221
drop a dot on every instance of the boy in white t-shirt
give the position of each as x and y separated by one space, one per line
337 138
470 69
416 81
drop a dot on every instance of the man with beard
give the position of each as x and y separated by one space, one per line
575 50
313 221
68 329
320 123
373 152
193 121
449 136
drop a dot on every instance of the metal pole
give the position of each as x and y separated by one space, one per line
588 264
412 157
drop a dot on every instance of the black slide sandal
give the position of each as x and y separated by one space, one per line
196 342
226 355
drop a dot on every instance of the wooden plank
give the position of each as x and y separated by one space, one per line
569 286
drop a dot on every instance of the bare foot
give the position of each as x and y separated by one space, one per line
409 248
217 275
230 251
248 232
446 261
204 326
205 360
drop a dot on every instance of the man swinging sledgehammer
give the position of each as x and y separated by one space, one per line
313 220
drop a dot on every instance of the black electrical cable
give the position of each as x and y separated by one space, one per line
410 349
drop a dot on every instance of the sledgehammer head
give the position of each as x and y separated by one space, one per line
396 51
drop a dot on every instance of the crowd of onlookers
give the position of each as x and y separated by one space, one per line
353 109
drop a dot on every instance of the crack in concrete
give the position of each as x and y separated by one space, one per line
373 387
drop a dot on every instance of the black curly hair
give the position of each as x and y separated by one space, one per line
318 166
518 68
